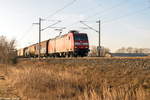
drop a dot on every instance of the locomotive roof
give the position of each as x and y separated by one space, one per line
65 35
74 31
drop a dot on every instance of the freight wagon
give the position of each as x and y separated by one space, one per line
43 50
20 52
31 50
71 44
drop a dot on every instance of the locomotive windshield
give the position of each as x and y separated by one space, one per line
80 37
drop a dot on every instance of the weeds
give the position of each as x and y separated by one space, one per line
79 81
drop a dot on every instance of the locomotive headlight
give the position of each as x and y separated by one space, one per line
75 46
85 43
76 43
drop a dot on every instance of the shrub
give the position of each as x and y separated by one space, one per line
104 52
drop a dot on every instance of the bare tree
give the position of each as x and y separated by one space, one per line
103 51
93 51
7 50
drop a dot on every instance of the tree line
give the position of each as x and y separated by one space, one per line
133 50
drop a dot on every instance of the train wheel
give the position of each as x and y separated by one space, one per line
71 55
67 55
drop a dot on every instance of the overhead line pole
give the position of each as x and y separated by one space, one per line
39 44
99 46
39 54
40 30
99 32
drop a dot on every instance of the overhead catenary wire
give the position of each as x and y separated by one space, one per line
108 9
89 26
103 11
126 15
61 9
123 16
50 26
25 33
67 5
57 11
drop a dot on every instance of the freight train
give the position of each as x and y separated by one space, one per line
72 44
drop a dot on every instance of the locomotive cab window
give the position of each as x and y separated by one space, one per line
80 37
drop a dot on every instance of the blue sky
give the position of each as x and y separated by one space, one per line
124 22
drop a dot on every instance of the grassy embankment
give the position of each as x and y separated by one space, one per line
79 79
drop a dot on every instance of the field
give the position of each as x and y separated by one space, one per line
77 79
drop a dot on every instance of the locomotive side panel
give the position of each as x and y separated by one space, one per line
65 43
60 44
70 42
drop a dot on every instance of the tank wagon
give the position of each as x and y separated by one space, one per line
71 44
20 52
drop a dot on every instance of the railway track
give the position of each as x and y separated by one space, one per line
82 58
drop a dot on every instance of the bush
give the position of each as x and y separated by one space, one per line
7 50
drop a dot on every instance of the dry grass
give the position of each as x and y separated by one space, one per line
81 79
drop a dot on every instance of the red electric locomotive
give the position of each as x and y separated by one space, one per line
71 44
